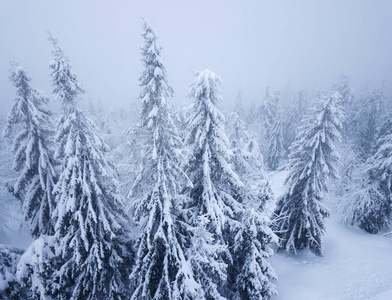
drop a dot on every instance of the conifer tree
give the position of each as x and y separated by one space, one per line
255 276
272 109
366 120
251 275
204 256
297 111
368 204
347 101
33 157
215 182
266 114
91 250
252 114
215 195
276 145
344 89
238 131
35 268
238 105
299 220
161 270
10 288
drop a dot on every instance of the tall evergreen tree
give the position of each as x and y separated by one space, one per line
368 203
218 199
161 270
276 145
238 133
297 111
344 89
366 120
266 114
299 220
215 182
347 100
214 195
238 105
250 275
255 274
33 158
10 288
205 253
91 252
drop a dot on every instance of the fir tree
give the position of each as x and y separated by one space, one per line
35 270
299 220
214 180
251 275
91 252
161 270
254 280
215 193
347 100
344 89
10 287
252 114
266 114
238 132
238 106
297 111
366 120
369 203
276 145
205 254
33 158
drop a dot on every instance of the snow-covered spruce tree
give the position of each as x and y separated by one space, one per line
10 287
161 270
204 253
347 100
35 268
216 188
215 183
344 89
238 132
33 159
296 112
91 251
272 107
255 274
252 115
251 276
266 114
261 124
276 145
182 116
238 105
299 215
369 205
247 162
366 120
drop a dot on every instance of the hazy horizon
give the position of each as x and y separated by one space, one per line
250 44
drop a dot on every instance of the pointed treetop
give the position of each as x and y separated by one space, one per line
19 76
64 81
206 85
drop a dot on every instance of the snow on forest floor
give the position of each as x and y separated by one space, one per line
356 265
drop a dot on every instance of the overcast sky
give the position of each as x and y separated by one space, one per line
250 44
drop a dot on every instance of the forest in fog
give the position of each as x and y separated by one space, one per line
209 199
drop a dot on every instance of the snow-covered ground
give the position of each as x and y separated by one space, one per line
356 265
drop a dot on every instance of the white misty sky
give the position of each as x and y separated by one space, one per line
287 45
